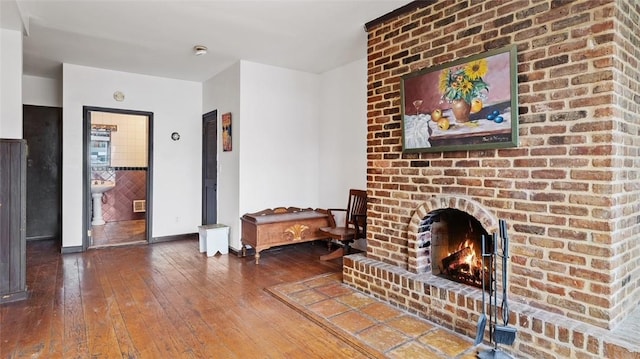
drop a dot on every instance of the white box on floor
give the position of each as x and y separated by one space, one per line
214 238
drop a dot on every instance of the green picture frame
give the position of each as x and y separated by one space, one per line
467 104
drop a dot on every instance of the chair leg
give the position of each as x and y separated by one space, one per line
347 248
343 250
333 255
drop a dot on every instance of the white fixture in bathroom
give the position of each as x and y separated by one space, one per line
97 189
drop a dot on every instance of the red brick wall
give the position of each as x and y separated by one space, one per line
570 190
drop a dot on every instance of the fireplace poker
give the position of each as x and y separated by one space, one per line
504 334
482 321
495 352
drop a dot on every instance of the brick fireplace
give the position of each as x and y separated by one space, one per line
450 245
570 191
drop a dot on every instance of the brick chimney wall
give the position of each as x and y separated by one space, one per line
570 191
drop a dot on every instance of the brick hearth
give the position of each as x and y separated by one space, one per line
570 191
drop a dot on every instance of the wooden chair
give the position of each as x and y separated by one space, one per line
355 224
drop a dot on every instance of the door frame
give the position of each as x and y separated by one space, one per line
86 169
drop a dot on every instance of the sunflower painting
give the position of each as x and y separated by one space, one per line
466 104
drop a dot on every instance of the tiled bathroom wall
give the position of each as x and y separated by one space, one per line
128 167
117 204
129 142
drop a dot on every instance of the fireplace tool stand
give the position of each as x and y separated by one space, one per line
499 334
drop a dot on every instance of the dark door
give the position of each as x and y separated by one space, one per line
12 220
42 129
209 167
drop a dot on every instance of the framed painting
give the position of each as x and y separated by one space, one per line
226 132
467 104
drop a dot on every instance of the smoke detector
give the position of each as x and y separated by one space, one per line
199 50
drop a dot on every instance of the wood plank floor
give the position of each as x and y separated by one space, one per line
164 300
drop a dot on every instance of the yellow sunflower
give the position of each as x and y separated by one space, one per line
464 82
476 69
466 87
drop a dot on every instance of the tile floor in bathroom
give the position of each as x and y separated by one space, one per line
119 233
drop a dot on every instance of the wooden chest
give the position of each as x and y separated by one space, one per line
280 226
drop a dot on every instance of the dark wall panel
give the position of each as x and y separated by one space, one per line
12 220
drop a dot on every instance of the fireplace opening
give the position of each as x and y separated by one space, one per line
456 246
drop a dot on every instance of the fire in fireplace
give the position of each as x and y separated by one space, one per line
456 245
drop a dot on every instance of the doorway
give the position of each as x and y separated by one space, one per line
210 167
117 176
42 128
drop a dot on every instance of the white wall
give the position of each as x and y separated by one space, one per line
176 106
222 93
41 91
10 84
279 132
343 135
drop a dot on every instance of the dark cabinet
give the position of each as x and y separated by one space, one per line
13 157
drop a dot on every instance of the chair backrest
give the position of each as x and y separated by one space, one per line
357 211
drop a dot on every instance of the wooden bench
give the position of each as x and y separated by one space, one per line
281 226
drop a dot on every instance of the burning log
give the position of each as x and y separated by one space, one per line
460 261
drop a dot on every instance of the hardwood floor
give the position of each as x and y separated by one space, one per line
164 300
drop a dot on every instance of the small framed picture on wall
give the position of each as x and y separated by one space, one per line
226 132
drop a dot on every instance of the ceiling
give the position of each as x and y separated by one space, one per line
157 37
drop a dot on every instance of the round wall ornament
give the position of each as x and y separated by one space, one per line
118 96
